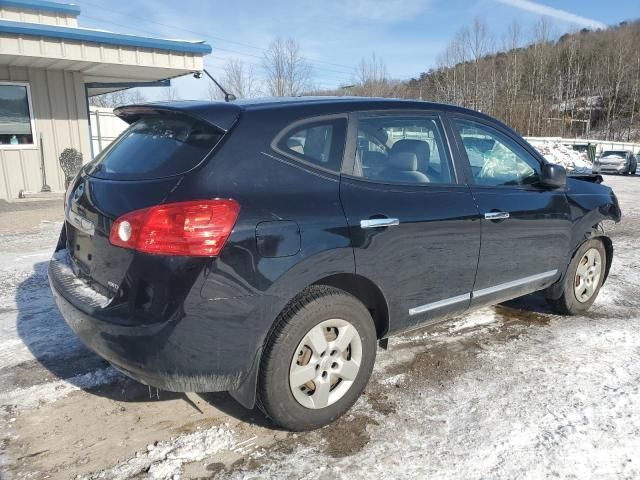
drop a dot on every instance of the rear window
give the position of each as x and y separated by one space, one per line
614 154
156 146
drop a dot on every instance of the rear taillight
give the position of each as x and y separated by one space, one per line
196 228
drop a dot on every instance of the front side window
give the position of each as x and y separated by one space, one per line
15 115
402 149
320 143
495 159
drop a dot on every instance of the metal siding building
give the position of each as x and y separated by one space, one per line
50 65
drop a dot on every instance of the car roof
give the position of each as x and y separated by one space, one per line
223 114
345 103
357 103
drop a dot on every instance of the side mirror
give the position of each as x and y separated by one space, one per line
554 176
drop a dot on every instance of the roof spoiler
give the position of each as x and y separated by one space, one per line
223 116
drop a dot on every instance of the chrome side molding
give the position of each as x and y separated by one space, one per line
379 222
515 283
482 292
442 303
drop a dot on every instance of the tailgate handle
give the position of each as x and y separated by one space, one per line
496 215
379 222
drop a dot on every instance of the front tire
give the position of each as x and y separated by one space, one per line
582 280
317 359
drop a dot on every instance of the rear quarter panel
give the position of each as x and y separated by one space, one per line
243 290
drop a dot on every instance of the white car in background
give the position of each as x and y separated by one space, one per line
616 161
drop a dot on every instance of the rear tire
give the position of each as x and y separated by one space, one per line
582 280
317 359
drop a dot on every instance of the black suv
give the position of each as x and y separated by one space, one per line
265 247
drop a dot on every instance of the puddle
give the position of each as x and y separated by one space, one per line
512 315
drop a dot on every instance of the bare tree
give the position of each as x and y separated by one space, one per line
372 77
617 68
170 94
512 72
116 99
583 83
634 96
478 46
460 52
288 73
238 78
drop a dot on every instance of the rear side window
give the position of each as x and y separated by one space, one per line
156 146
320 143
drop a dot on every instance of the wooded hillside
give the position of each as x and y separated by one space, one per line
582 84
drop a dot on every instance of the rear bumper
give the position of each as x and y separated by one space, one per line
211 348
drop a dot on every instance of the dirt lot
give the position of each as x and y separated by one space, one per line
505 392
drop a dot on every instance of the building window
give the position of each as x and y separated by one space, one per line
16 116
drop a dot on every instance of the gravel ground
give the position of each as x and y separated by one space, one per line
505 392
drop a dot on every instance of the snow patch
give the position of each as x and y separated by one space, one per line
165 459
394 379
559 401
572 160
481 318
72 282
29 397
468 324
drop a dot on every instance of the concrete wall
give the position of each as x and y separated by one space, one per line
60 111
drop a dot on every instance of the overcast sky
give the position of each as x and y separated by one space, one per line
334 35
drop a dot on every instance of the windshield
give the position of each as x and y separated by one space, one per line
156 146
614 154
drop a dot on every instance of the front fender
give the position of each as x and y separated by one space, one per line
591 206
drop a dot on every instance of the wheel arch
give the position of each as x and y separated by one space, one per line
597 232
608 248
366 292
360 287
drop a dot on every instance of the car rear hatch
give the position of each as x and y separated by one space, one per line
615 159
137 171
